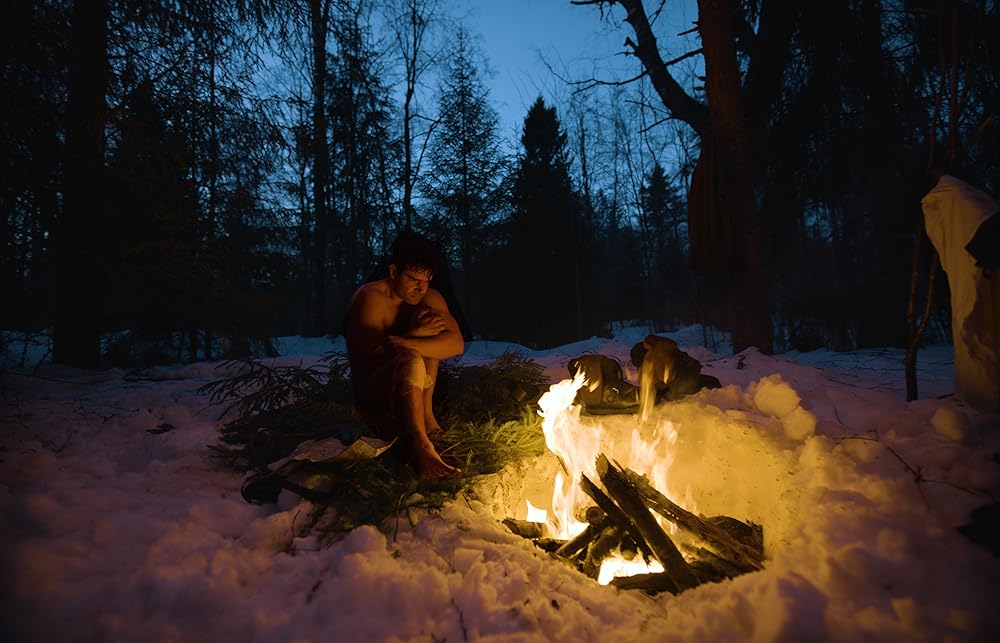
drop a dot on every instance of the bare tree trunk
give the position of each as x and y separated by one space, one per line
948 69
77 333
751 324
410 51
410 25
201 241
319 14
748 293
917 331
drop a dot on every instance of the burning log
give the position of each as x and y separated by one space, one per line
594 515
525 528
750 534
622 488
616 515
622 522
744 557
579 543
600 548
648 583
549 545
628 548
709 566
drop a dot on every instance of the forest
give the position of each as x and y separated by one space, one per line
186 179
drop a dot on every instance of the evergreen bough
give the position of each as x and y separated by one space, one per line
488 411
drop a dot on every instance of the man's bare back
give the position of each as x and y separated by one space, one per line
398 329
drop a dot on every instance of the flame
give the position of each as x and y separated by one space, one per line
647 386
536 514
615 566
577 446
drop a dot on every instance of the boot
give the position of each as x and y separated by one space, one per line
605 390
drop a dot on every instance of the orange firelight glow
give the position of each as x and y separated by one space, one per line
577 444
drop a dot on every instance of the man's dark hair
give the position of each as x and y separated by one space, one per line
410 250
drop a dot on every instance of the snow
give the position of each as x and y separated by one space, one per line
112 532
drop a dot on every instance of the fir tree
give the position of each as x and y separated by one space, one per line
467 169
543 271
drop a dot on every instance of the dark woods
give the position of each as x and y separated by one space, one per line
192 178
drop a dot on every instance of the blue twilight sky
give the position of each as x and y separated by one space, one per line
523 38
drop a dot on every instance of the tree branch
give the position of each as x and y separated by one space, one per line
680 104
590 83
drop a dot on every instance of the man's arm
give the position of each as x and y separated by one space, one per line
447 342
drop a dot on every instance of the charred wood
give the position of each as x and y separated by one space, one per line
715 548
749 533
550 545
745 557
628 548
577 544
709 565
622 488
648 583
525 528
594 515
616 515
706 572
600 548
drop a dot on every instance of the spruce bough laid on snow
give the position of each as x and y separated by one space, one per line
489 412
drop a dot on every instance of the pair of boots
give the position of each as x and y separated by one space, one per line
673 374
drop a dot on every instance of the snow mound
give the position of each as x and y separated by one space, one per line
773 396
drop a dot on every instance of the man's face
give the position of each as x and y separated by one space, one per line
411 283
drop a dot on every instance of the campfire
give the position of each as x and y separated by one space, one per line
611 515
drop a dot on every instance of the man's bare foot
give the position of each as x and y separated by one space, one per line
428 463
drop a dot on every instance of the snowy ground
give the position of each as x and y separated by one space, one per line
112 530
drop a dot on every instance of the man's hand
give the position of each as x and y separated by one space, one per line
424 322
428 329
427 322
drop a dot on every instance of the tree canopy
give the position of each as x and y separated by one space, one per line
186 180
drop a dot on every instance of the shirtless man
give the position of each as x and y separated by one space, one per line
398 330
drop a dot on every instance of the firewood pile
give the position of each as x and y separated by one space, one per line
621 522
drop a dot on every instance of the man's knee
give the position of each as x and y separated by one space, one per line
431 365
410 371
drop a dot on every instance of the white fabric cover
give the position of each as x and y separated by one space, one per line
953 211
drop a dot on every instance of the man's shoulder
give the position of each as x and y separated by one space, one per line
370 298
434 299
372 289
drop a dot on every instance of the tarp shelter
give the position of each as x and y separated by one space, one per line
954 216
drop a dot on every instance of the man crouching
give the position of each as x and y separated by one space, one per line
398 330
